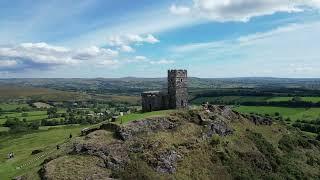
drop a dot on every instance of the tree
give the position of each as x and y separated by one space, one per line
318 137
296 99
24 114
52 110
34 125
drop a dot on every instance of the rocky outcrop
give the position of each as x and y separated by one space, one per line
144 127
258 120
167 161
132 139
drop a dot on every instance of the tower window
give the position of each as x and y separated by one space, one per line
182 104
180 80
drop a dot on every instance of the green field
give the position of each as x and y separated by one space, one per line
12 106
31 116
292 113
241 99
311 99
137 116
17 92
307 99
23 144
279 99
226 99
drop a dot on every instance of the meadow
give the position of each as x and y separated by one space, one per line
22 92
136 116
292 113
242 99
23 144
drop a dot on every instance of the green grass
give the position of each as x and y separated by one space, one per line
311 99
32 116
279 99
307 99
241 99
12 106
226 99
4 129
292 113
23 144
138 116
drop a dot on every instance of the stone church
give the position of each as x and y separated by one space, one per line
175 98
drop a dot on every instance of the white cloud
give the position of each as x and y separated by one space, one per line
94 52
109 62
7 63
179 10
146 60
126 48
242 10
42 55
38 53
141 58
124 42
151 39
162 61
288 51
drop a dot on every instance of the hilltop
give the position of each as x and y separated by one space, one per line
196 144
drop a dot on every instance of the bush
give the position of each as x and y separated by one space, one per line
215 140
318 137
289 143
24 114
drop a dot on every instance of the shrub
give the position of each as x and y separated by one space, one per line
318 137
215 140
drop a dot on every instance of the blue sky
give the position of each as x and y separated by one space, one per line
210 38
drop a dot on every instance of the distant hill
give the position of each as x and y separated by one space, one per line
137 85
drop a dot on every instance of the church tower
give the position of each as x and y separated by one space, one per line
177 89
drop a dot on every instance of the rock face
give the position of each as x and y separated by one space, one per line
166 162
160 142
145 126
258 120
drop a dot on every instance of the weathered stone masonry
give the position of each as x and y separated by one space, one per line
175 98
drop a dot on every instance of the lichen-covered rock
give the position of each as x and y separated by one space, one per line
258 120
145 126
217 127
167 162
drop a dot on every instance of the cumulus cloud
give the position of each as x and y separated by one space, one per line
162 61
141 58
126 48
109 62
179 10
242 10
93 53
43 55
7 63
146 60
124 42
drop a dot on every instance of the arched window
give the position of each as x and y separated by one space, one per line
182 103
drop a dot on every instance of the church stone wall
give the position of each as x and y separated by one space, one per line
177 88
154 101
175 98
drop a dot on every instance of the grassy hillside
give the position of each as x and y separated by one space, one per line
181 149
138 116
292 113
23 144
22 92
